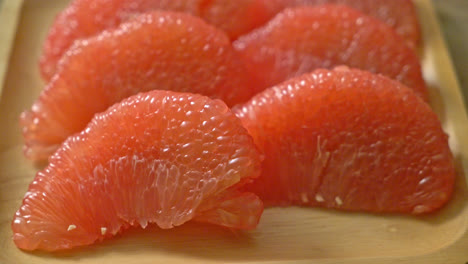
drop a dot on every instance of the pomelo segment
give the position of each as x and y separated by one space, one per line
86 18
302 39
399 14
235 17
160 50
157 157
350 140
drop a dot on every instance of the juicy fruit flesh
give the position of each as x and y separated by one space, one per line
350 140
86 18
299 40
159 50
399 14
158 157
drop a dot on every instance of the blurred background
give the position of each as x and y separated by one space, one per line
453 17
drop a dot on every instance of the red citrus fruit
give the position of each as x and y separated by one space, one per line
399 14
351 140
157 157
302 39
160 50
86 18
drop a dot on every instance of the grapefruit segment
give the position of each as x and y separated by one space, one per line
350 140
158 157
399 14
299 40
160 50
86 18
235 17
230 214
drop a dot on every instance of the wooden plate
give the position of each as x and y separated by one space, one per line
284 234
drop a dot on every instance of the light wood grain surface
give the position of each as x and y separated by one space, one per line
9 15
285 235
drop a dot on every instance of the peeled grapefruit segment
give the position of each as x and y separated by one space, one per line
302 39
399 14
86 18
160 50
157 157
350 140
